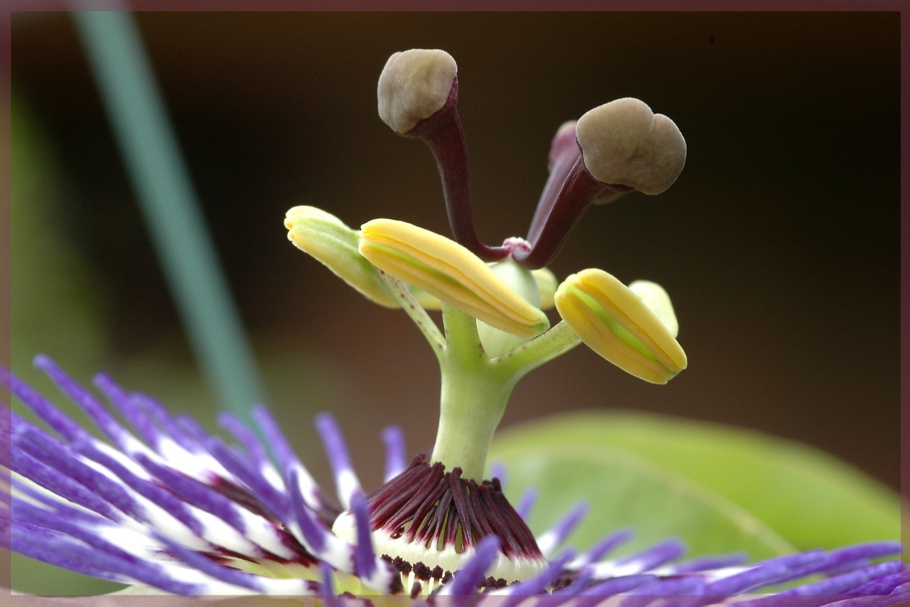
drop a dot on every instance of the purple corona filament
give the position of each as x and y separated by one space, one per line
199 516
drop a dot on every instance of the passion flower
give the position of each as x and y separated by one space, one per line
154 501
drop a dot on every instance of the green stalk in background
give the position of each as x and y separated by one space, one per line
169 204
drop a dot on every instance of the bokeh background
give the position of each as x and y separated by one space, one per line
778 244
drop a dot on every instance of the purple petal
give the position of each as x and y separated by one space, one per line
54 504
166 428
45 547
160 497
67 522
59 468
194 493
328 586
828 590
654 556
578 585
882 585
131 411
145 415
69 489
64 552
472 575
209 567
709 562
6 436
285 457
891 601
396 459
364 557
555 536
277 502
52 416
313 533
845 582
190 428
674 586
767 572
498 470
850 556
526 503
607 544
346 480
537 584
274 437
106 422
616 586
255 452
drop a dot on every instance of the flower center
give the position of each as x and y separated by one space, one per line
427 523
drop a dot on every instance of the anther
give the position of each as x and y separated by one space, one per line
616 322
449 271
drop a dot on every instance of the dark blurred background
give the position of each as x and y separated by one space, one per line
778 244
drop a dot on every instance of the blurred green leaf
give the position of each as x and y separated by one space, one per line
626 491
58 305
697 481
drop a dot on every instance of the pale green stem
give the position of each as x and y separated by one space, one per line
475 388
473 397
545 347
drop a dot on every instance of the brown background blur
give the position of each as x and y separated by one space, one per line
778 244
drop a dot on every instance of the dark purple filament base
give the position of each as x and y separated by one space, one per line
439 510
444 136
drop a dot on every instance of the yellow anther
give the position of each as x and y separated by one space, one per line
327 239
546 286
614 322
657 300
449 271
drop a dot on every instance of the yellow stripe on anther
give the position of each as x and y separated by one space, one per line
450 272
